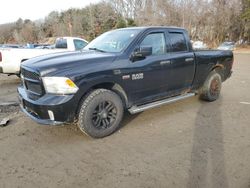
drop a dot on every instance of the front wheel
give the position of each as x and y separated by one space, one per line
212 87
100 113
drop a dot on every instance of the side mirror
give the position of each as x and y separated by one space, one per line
141 53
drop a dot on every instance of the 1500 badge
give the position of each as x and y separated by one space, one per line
137 76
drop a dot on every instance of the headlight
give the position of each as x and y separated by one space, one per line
59 85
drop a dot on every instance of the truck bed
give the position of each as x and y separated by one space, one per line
207 59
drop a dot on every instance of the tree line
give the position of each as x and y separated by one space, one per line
212 21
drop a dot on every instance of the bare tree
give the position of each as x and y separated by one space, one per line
212 21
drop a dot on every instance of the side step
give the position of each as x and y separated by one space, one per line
137 109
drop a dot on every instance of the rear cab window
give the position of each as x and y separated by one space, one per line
61 43
178 41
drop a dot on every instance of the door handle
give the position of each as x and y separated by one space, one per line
165 62
189 59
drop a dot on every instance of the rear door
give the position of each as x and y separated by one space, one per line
182 62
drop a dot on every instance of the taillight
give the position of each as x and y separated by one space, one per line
0 56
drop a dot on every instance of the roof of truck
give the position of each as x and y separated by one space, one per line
153 27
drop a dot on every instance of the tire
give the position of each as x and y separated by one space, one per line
100 113
212 87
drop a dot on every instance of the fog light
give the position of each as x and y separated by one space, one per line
51 115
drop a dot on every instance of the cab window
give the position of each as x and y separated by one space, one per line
178 42
79 44
61 43
156 41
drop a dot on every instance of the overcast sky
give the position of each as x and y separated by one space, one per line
11 10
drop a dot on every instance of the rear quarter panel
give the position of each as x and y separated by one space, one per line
207 60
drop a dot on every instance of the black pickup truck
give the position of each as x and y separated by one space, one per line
132 69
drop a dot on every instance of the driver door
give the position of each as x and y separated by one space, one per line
149 74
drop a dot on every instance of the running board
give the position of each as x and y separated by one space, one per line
137 109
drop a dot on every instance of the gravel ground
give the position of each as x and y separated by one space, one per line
186 144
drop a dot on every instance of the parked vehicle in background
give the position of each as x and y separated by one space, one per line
132 69
45 46
10 46
227 46
37 46
199 45
12 58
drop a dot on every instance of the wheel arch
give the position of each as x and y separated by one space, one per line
115 87
219 68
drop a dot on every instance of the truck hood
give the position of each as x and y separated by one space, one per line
67 63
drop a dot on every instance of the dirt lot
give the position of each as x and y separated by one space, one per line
187 144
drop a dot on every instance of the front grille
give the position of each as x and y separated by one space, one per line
32 83
29 74
33 86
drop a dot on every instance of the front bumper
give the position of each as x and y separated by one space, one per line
62 107
36 119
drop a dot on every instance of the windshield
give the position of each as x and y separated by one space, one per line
113 41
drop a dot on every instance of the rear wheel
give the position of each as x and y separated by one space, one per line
100 113
212 87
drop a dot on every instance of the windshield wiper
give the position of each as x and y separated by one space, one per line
96 49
